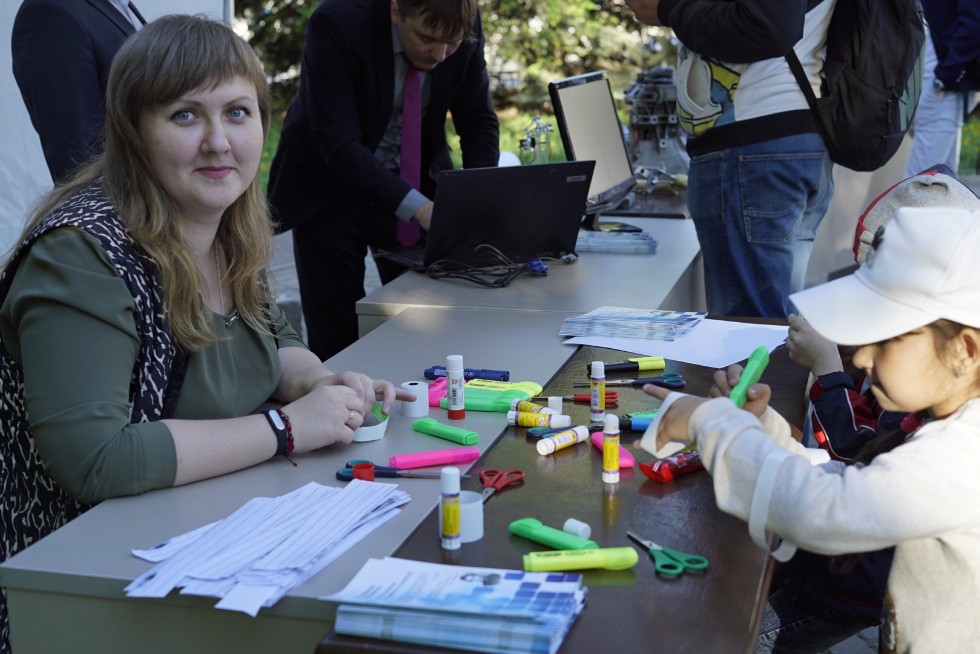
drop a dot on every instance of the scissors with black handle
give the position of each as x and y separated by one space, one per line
667 380
669 562
495 480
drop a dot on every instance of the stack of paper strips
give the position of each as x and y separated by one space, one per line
268 546
477 609
599 241
620 322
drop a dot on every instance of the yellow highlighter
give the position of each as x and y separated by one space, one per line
609 558
634 364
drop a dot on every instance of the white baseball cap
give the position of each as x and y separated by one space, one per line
926 266
936 187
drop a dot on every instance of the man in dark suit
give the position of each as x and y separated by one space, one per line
336 177
62 50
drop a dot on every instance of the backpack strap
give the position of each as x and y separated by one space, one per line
797 69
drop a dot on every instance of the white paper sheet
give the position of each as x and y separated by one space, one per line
269 545
713 343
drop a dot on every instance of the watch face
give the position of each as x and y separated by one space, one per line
276 419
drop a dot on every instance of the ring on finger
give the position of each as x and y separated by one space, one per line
350 419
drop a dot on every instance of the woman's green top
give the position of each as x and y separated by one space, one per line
68 320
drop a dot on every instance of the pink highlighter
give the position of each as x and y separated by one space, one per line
626 459
437 391
451 456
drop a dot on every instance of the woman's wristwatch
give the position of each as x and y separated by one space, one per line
280 424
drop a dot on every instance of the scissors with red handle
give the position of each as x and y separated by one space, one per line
495 480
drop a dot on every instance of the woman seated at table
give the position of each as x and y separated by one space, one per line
138 334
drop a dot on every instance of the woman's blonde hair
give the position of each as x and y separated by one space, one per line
167 58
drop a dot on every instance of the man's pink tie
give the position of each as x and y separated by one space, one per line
410 163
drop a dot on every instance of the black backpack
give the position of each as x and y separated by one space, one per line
871 81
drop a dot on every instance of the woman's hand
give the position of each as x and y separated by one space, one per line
302 373
369 391
327 414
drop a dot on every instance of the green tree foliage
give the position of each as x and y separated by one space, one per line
529 42
549 39
276 28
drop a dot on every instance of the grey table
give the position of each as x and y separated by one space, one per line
65 593
670 279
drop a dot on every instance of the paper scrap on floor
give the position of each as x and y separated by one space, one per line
268 546
712 343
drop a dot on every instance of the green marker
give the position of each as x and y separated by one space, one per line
753 371
532 529
433 427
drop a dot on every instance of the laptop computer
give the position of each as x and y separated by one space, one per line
524 212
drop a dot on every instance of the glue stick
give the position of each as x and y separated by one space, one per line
597 384
674 466
610 450
454 387
449 508
523 406
562 439
521 419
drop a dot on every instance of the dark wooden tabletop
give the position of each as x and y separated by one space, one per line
631 610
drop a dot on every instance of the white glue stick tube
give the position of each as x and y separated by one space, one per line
562 439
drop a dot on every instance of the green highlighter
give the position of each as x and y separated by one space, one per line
532 529
756 364
433 427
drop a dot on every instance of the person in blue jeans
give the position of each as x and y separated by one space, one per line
760 177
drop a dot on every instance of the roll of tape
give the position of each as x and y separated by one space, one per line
374 426
420 407
577 528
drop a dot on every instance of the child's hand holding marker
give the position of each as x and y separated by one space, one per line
668 433
740 383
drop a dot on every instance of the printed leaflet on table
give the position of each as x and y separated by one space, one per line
632 323
478 609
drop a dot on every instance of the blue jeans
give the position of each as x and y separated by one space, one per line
817 601
756 209
791 625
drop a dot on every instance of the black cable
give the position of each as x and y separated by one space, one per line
493 276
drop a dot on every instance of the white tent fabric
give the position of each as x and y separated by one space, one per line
23 174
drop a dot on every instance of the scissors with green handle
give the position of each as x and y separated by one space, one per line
668 562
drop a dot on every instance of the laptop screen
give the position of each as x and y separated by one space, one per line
590 129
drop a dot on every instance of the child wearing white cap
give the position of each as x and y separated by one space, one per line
844 414
919 342
817 601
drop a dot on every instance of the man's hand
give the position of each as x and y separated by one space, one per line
424 215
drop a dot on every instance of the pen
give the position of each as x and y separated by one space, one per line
636 421
435 372
636 363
